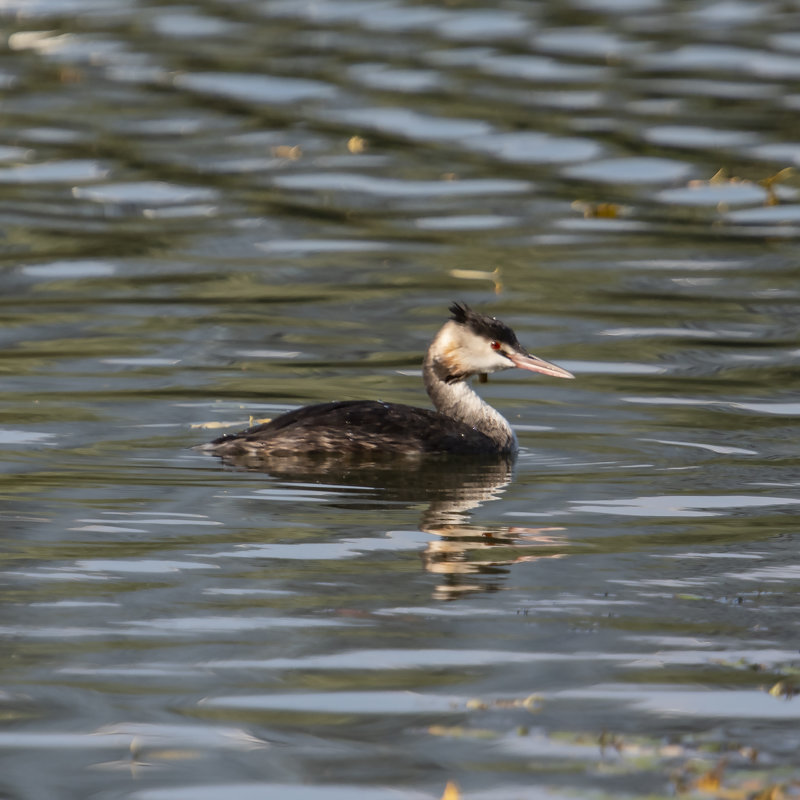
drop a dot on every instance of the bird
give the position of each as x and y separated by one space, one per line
469 344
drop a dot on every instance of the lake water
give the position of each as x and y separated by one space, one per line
212 212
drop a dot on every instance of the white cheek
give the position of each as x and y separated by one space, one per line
492 362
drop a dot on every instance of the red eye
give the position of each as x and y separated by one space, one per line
495 345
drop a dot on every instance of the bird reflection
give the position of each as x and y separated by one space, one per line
467 556
475 558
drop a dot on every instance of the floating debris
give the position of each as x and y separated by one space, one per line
769 184
598 210
211 426
451 792
356 145
289 152
479 275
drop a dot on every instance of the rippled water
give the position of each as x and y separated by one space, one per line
212 212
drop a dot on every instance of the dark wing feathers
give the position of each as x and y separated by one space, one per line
356 425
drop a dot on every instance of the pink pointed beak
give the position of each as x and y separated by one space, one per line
534 364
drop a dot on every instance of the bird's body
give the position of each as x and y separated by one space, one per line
348 426
468 344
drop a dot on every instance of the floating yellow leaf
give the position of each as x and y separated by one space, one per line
707 783
291 152
211 426
607 210
451 792
479 275
533 702
598 210
778 177
475 274
769 185
784 688
712 780
720 176
356 145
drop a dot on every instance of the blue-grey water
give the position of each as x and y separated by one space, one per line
214 212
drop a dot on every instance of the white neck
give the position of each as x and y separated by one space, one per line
457 399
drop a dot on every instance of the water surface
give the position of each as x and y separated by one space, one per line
213 213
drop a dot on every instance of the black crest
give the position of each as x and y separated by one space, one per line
487 327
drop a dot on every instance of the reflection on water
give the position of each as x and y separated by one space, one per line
464 553
467 557
212 212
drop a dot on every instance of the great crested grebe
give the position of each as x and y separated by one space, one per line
467 345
